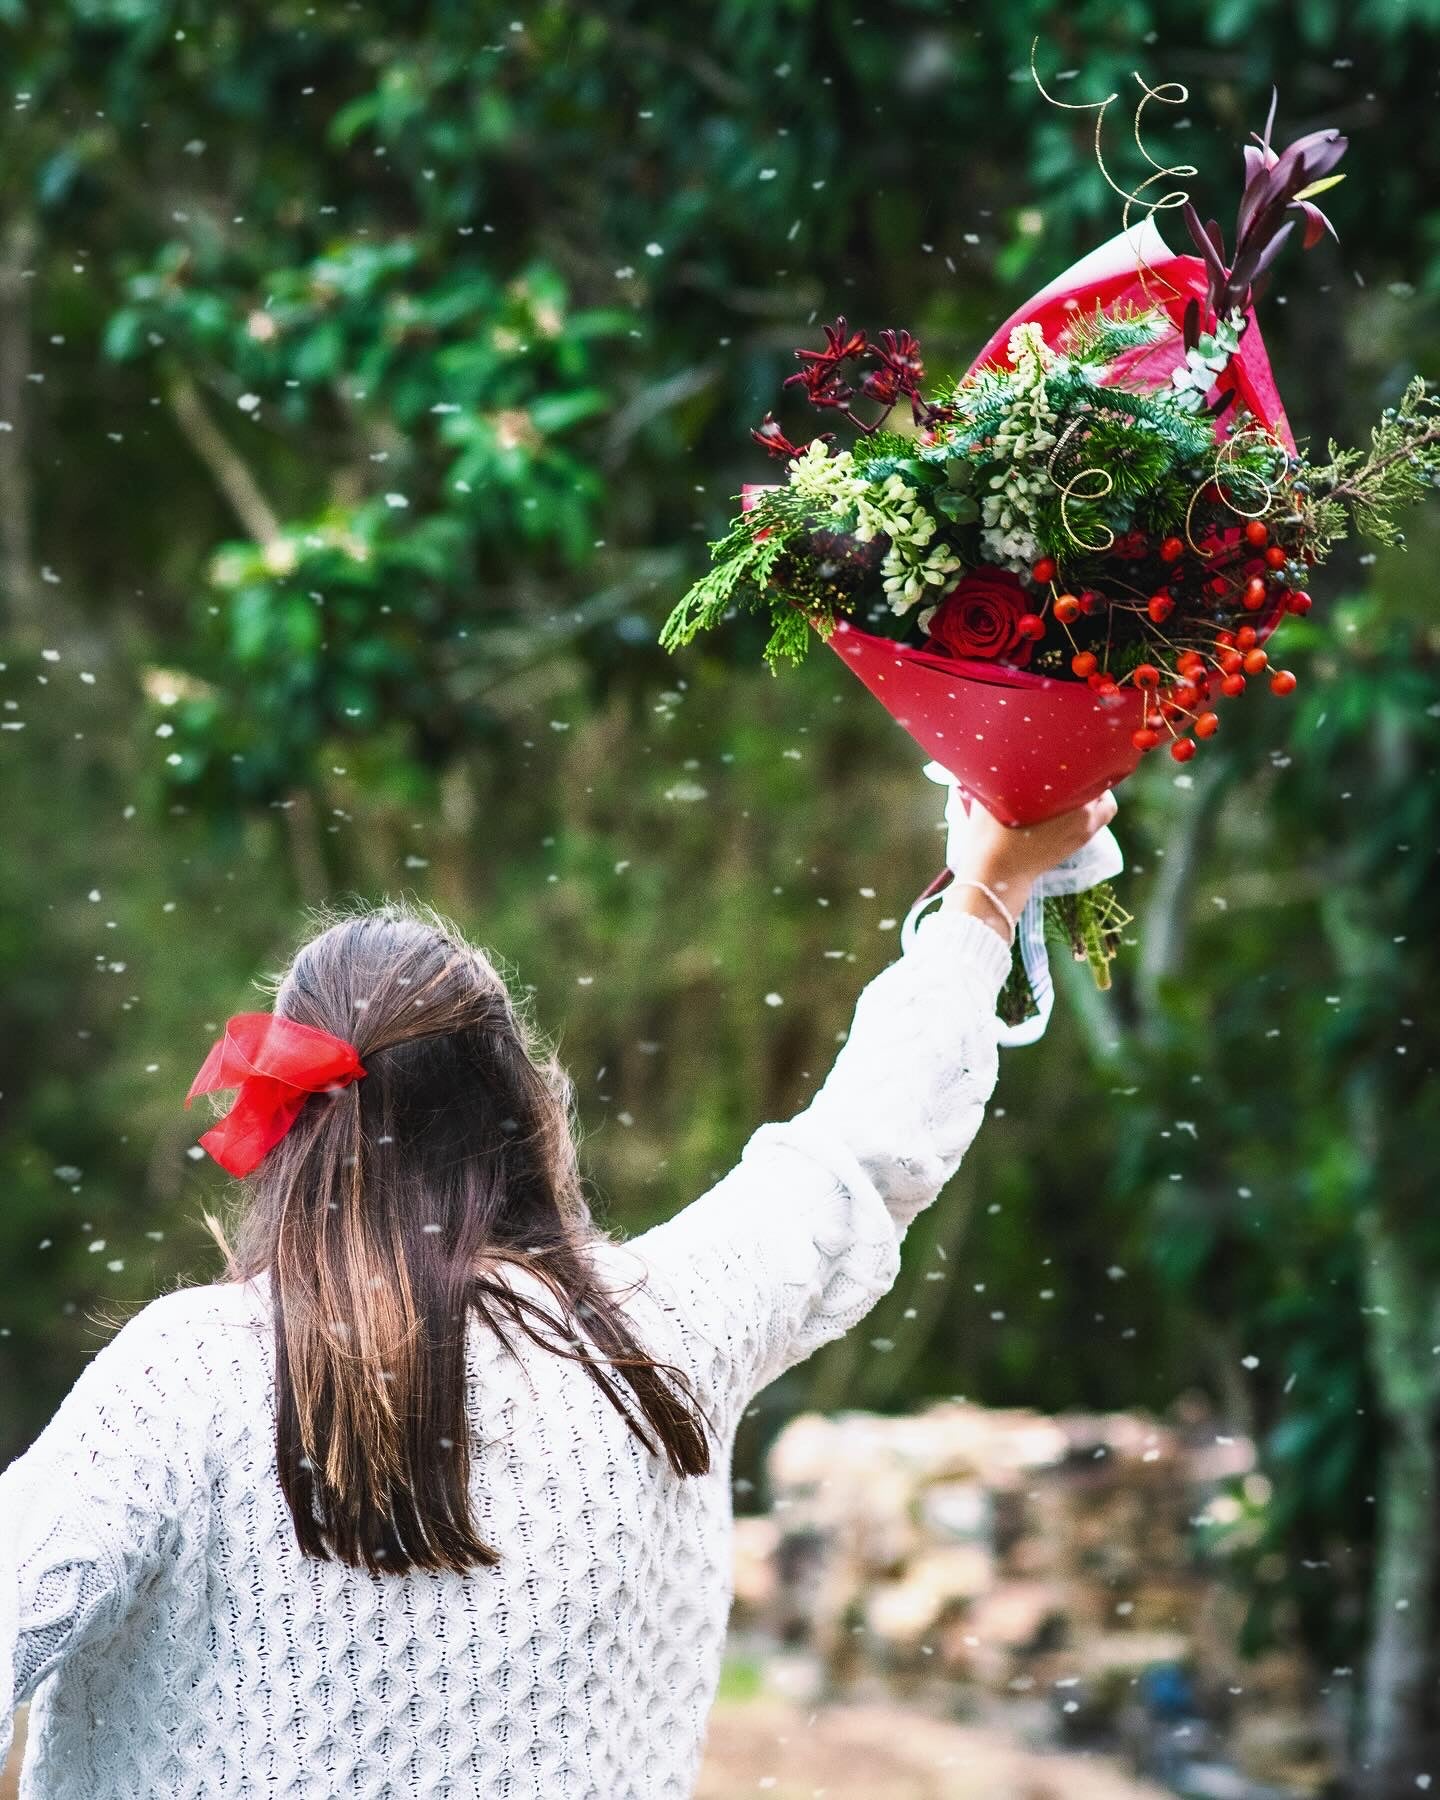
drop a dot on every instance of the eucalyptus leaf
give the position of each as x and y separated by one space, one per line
960 509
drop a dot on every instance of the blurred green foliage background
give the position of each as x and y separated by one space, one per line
371 379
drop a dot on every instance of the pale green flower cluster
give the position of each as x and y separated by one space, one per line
910 571
1022 440
830 481
913 564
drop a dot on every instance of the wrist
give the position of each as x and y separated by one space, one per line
981 901
1012 888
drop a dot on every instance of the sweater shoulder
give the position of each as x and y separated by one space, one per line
199 1309
178 1337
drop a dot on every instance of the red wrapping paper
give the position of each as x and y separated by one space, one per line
1026 746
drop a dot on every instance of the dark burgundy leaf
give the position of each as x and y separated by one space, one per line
1272 250
1259 193
1259 233
1307 159
1213 264
1316 225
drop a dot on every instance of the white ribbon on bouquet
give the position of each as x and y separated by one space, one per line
1099 860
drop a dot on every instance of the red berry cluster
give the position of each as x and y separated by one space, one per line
1179 686
1182 708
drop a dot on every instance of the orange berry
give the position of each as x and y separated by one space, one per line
1084 663
1183 749
1146 675
1256 533
1255 594
1031 626
1207 724
1044 569
1282 682
1247 637
1067 609
1146 738
1159 606
1233 684
1255 661
1275 557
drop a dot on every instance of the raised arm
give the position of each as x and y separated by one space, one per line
86 1513
803 1236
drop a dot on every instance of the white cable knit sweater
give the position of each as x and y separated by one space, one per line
154 1603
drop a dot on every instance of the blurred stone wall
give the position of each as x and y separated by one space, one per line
1051 1566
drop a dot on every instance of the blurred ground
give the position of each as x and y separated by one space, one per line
788 1752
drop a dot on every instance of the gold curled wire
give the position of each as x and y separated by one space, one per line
1070 490
1168 93
1219 475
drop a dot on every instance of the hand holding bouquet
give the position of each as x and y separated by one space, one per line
996 868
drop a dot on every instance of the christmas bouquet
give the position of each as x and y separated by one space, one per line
1076 554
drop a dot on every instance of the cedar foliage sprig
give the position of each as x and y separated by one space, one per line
741 575
1366 488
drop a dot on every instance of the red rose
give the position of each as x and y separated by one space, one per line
979 616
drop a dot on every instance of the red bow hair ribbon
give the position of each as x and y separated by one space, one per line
276 1064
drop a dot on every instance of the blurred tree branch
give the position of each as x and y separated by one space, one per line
227 468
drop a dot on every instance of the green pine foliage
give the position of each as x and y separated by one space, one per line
1099 336
982 403
789 639
882 447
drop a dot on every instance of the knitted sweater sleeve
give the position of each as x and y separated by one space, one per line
85 1513
797 1243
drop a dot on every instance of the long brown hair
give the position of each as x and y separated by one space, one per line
375 1217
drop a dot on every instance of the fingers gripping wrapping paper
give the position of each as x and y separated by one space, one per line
1101 859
